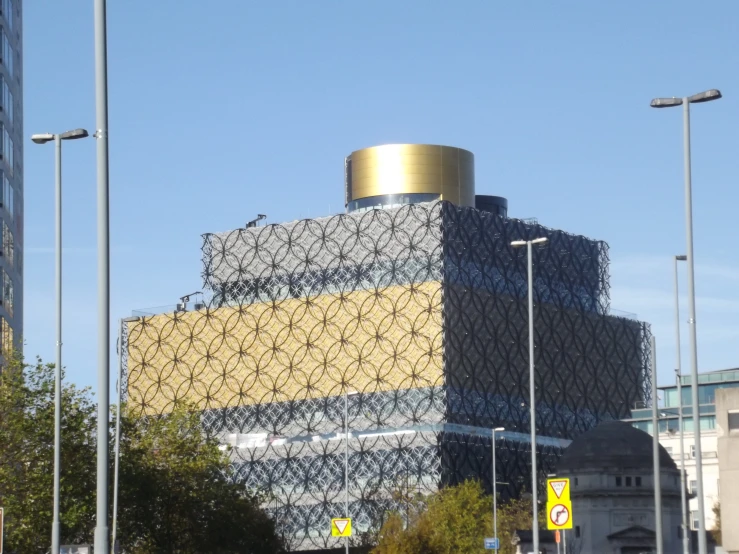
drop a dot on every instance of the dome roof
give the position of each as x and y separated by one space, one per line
613 444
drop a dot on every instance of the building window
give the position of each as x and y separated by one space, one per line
577 531
618 481
7 293
8 244
7 54
8 12
693 487
628 481
7 100
637 481
734 422
6 336
692 451
8 150
8 196
575 481
694 521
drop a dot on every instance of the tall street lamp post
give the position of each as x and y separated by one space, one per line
495 490
43 139
532 394
685 102
103 271
347 394
678 372
655 455
117 448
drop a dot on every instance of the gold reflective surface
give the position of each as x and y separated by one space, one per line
413 168
293 349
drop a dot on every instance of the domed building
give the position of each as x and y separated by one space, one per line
611 470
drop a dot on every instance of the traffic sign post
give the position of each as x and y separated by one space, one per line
558 490
491 543
340 527
2 528
559 505
559 515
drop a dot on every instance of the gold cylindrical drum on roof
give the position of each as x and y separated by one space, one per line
396 174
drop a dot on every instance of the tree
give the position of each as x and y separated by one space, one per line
176 495
454 520
27 457
514 515
716 531
176 491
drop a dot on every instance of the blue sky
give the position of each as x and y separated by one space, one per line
220 111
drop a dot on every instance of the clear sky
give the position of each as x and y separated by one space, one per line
222 110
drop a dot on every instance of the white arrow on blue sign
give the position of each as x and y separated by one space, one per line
491 544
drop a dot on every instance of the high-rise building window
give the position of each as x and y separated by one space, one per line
8 196
734 422
8 150
8 12
7 54
8 244
693 487
7 293
694 521
7 99
6 336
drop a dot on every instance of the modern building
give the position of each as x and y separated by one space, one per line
11 173
409 314
709 384
611 475
727 415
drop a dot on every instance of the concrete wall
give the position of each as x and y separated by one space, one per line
727 401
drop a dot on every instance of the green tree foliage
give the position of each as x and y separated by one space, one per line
175 495
175 491
454 520
27 458
716 531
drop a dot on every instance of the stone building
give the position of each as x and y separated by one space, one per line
612 489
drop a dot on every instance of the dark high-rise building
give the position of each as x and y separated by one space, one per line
410 313
11 171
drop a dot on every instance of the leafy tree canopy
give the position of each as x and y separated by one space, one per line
454 520
176 495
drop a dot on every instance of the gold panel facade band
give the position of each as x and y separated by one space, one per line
294 349
403 169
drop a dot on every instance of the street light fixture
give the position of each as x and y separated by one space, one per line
347 394
495 490
658 537
678 372
119 413
43 138
706 96
102 538
532 394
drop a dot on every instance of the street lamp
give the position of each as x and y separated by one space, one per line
532 394
347 394
495 490
43 138
678 371
655 454
103 276
117 452
685 102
